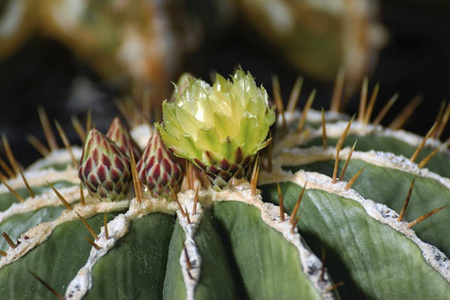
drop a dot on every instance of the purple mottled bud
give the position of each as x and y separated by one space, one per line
120 135
158 168
219 170
104 169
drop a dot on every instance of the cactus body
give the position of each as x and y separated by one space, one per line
241 242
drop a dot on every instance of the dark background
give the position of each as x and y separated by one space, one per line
44 73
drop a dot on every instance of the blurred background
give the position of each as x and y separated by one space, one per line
71 56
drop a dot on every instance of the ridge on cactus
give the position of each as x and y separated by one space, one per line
218 128
104 169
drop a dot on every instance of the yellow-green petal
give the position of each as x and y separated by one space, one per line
229 120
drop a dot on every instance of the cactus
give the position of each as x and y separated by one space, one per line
310 224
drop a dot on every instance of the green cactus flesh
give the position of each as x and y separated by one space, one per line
236 245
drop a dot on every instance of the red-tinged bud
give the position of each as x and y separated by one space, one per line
104 169
120 135
158 168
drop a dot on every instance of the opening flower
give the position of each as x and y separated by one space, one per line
219 128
